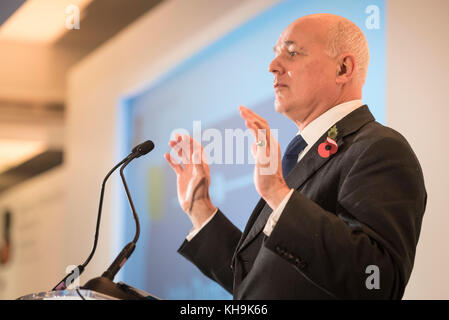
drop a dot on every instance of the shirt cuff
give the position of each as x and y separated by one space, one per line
194 231
274 216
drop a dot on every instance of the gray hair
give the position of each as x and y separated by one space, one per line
345 37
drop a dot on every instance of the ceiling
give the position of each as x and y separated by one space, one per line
44 21
29 129
40 21
7 8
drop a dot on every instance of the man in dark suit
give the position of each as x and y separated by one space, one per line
340 215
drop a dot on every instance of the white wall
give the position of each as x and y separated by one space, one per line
34 72
417 106
40 235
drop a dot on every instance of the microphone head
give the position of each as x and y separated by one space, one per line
143 148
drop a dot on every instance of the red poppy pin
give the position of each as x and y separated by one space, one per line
329 147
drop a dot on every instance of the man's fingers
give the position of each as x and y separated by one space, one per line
178 150
182 145
251 128
178 137
175 166
259 132
254 121
263 133
197 155
188 150
248 114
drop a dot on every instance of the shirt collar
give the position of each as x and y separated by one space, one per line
315 129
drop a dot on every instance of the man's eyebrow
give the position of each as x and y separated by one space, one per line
286 43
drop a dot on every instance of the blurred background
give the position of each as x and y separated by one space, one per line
82 82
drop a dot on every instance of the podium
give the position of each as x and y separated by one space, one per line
128 293
77 294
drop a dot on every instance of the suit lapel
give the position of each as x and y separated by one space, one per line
303 170
259 224
254 215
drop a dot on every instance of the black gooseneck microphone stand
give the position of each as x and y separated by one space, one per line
105 284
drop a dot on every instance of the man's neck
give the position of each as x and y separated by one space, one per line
322 108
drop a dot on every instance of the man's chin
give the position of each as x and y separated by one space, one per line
280 107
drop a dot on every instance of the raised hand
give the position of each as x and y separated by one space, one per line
193 178
268 179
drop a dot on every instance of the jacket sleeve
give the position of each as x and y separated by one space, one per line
211 250
381 201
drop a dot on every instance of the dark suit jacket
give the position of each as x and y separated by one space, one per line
362 206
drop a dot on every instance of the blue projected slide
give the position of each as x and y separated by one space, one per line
208 88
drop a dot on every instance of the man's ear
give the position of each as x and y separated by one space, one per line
345 68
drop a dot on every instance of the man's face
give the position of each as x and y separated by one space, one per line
304 75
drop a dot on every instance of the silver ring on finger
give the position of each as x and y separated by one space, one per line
260 143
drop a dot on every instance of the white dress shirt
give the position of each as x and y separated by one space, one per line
311 133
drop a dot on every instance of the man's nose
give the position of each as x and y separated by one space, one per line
275 66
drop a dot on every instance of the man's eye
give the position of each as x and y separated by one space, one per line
292 53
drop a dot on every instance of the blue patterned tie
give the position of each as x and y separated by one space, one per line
290 157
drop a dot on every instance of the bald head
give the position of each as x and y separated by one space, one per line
339 36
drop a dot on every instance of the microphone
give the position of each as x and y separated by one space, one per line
136 152
143 148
